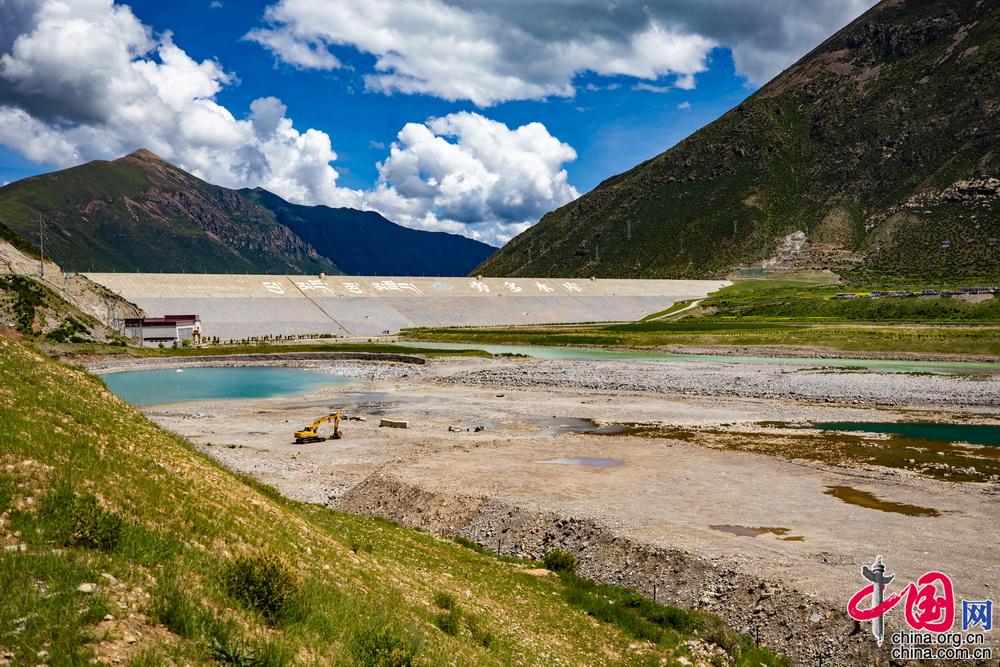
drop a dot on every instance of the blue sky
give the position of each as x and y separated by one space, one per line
663 75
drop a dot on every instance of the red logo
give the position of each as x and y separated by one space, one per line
929 602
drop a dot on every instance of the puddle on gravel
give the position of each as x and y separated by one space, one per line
853 496
585 461
562 425
754 531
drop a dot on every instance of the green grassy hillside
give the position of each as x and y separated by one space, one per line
140 213
881 144
122 543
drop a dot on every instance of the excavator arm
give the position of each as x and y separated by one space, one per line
310 434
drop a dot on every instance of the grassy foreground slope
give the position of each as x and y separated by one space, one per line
122 543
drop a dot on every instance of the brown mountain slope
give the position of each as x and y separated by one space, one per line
880 145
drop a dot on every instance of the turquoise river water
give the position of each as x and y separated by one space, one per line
973 434
195 384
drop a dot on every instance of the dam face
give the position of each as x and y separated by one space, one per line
243 306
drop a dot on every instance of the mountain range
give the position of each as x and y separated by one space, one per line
877 151
141 213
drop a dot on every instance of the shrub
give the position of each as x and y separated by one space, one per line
261 583
173 609
74 520
94 527
227 649
382 648
558 560
25 295
232 651
56 512
361 547
482 636
672 617
469 544
449 622
69 330
445 600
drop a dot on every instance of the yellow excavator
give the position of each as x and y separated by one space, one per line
309 434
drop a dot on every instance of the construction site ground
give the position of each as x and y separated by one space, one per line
496 453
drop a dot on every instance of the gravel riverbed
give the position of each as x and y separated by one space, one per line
743 380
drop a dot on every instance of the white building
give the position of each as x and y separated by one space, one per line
169 330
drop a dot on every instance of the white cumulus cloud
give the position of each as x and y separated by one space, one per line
491 52
468 174
479 52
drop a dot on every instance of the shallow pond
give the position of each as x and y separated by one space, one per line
196 384
974 434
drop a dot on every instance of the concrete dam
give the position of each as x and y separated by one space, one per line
243 306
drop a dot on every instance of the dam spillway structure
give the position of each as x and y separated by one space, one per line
234 307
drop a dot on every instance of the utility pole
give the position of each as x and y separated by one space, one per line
734 229
628 230
41 245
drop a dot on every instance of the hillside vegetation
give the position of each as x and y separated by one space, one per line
880 145
34 310
121 543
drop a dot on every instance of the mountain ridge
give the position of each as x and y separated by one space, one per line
877 145
142 213
346 234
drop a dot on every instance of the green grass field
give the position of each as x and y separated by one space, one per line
122 542
793 311
857 338
805 297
